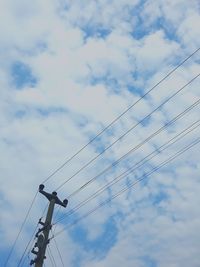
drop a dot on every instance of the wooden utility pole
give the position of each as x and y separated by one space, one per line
43 233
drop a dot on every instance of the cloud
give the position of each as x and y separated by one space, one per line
78 66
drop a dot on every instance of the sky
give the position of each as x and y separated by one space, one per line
67 70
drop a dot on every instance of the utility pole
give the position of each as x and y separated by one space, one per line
43 233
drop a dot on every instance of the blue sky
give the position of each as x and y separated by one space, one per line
22 76
69 68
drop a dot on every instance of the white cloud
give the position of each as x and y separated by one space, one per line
82 85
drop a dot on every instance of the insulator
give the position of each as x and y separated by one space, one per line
34 252
41 187
40 241
40 222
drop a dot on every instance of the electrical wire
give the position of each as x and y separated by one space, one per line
58 250
52 255
122 114
21 260
56 245
180 115
137 165
74 155
20 230
53 263
164 163
81 188
130 129
121 175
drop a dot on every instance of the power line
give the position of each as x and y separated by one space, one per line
58 250
137 165
170 159
180 115
51 257
56 245
20 230
122 114
81 149
21 260
130 129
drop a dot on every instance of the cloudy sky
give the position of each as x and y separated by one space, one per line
67 70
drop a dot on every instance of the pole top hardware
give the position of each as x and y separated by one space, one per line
53 195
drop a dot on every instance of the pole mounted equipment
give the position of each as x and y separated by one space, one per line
42 234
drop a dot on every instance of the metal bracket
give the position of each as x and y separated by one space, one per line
53 196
